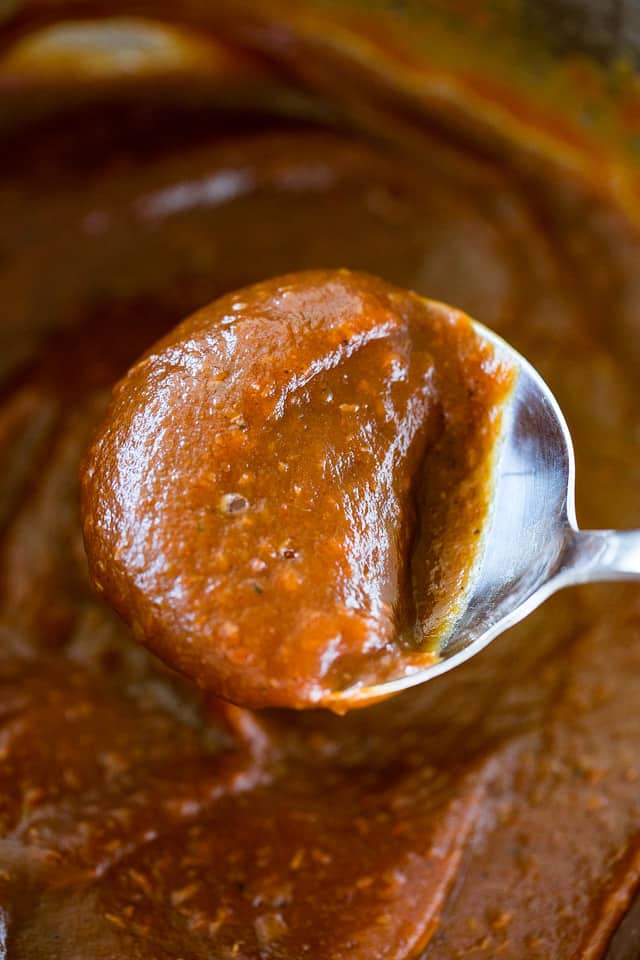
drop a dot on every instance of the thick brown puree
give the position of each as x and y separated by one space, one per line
493 813
286 497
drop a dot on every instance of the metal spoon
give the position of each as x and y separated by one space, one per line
532 546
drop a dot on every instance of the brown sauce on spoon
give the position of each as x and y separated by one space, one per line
289 486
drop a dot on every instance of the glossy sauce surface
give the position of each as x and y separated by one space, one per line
287 495
494 812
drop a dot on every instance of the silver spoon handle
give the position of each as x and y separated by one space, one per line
596 555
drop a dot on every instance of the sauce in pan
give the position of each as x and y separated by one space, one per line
494 812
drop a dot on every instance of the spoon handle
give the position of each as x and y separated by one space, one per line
596 555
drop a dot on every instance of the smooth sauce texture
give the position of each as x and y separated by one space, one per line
291 484
491 814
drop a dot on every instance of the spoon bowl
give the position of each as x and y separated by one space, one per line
532 545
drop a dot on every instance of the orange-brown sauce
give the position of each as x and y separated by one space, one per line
288 492
493 812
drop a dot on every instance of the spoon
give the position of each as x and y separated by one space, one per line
532 544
